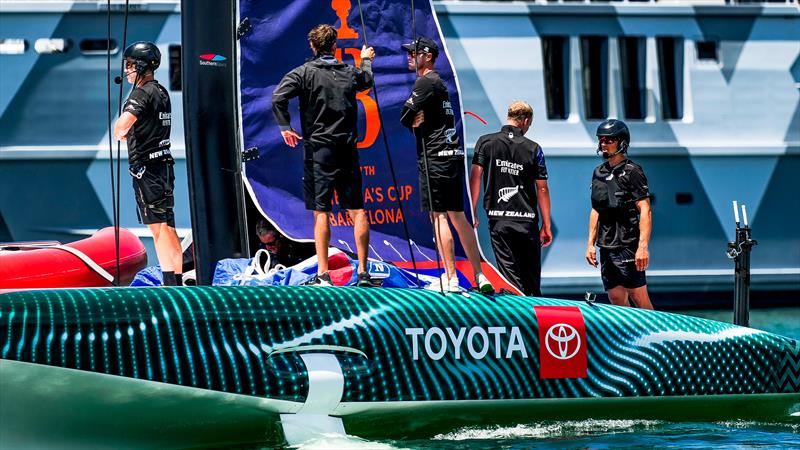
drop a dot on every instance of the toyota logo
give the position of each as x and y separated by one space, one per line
560 338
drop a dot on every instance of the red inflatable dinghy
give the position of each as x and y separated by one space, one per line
85 263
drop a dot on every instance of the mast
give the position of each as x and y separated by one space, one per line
213 156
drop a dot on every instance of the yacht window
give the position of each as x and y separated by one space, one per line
594 59
707 51
632 69
555 55
52 45
98 46
670 70
13 46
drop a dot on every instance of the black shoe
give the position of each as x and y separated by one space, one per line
321 280
364 280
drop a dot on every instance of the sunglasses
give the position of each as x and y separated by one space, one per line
608 140
272 243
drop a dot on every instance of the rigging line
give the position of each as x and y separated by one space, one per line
434 220
388 153
110 132
119 158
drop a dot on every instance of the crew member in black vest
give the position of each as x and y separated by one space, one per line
620 220
429 114
327 91
145 124
515 183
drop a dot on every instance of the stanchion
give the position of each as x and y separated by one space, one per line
739 252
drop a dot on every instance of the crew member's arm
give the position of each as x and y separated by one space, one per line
134 106
123 125
591 253
475 190
543 199
412 115
636 184
479 162
288 88
364 77
645 226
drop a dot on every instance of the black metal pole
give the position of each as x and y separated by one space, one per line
213 156
739 251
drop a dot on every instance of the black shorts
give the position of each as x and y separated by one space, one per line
327 170
153 185
447 184
618 268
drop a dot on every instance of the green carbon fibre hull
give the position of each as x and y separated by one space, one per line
432 418
65 408
205 366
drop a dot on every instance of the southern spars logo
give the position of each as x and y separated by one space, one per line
213 59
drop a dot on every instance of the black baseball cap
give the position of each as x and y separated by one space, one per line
423 45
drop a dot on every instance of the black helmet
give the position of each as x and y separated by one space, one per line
146 55
615 128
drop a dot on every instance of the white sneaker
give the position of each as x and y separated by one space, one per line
483 283
452 285
449 284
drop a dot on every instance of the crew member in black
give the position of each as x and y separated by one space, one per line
145 124
327 91
429 114
620 220
515 182
282 249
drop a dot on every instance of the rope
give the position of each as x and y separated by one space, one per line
388 153
82 256
110 132
436 237
115 176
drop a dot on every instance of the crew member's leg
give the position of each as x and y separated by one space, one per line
467 236
501 246
168 247
322 239
347 183
154 195
634 281
518 254
618 295
318 192
621 279
640 297
444 241
361 234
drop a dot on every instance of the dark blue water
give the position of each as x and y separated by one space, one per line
615 434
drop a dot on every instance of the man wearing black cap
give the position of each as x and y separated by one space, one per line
145 124
440 158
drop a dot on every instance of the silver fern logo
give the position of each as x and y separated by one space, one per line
506 193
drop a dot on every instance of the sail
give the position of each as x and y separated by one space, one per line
277 42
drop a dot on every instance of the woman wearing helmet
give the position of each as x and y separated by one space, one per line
620 220
145 124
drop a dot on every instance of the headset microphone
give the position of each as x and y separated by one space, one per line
117 79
